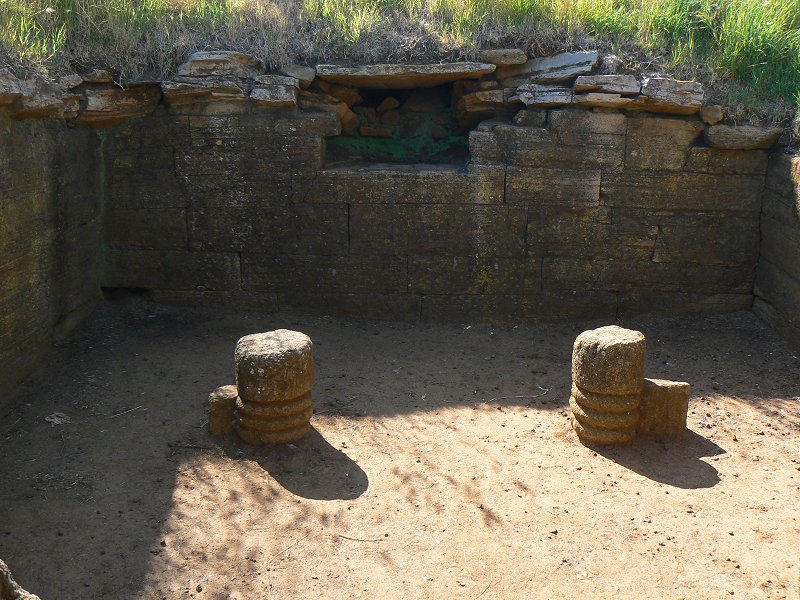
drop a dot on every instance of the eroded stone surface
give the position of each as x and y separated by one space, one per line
304 75
402 76
601 100
504 56
549 69
274 367
9 588
221 405
109 105
601 419
625 85
609 360
541 96
741 137
602 437
606 403
221 63
711 114
664 407
660 94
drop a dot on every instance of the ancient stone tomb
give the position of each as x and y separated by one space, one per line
611 400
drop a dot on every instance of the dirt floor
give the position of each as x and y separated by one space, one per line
441 465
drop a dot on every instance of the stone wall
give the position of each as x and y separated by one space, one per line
50 238
777 290
560 214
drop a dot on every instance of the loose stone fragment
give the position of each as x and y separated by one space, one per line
609 360
305 75
10 589
603 420
625 85
274 367
602 437
741 137
711 114
664 407
221 404
605 402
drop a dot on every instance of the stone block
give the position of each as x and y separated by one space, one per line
785 210
682 191
643 302
661 94
443 229
324 274
535 186
171 270
298 229
548 69
626 85
609 360
741 137
736 162
377 306
660 144
581 127
274 367
503 56
783 175
780 244
221 410
712 114
470 275
540 96
108 105
408 184
664 407
405 76
221 63
156 229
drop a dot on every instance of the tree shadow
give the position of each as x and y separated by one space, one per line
310 468
673 461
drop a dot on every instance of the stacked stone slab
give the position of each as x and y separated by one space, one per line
274 377
608 377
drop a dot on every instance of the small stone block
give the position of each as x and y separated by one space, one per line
221 403
276 366
664 407
609 360
603 420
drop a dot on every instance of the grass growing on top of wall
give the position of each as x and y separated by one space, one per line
746 50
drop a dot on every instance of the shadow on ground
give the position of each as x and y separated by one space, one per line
98 490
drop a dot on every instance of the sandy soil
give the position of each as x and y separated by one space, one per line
441 465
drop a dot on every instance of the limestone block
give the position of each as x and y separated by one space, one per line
625 85
609 360
741 137
606 403
541 96
504 56
602 437
221 404
189 90
275 96
396 77
221 63
664 407
660 143
304 75
275 366
549 69
669 96
109 105
601 100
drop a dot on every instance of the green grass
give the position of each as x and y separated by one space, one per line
747 51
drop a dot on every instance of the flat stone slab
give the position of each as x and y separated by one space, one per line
221 63
660 94
504 56
625 85
741 137
398 77
542 96
109 105
549 69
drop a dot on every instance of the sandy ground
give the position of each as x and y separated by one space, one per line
441 465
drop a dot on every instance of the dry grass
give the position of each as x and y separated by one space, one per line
747 51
